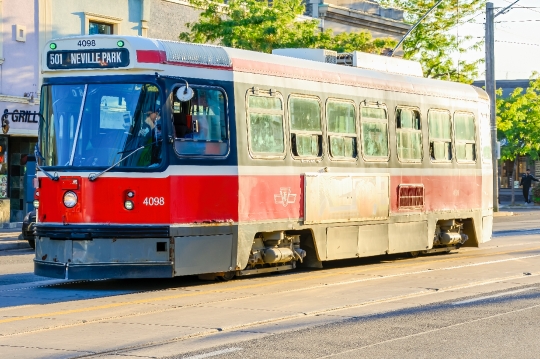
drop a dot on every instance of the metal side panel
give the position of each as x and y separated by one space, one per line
203 254
372 240
408 237
53 251
341 242
333 198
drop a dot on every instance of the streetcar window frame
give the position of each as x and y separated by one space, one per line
267 94
473 142
433 139
378 105
353 135
226 118
400 129
293 132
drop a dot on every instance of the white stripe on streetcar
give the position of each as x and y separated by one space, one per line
492 296
213 354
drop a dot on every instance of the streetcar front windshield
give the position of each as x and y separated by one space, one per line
97 125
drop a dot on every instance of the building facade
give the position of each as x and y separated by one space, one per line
19 101
358 15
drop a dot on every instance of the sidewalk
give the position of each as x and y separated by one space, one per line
9 239
505 200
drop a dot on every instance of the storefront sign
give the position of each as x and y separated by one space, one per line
88 59
21 116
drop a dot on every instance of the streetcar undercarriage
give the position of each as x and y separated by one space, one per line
272 251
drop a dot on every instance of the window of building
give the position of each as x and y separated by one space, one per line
464 131
341 119
100 24
440 135
306 130
265 118
408 135
374 121
200 124
100 28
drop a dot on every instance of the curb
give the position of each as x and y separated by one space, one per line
14 245
11 225
503 214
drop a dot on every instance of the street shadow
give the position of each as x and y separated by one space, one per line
41 290
13 292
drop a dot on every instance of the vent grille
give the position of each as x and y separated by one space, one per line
411 196
196 54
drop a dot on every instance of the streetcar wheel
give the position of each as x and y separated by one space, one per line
414 254
227 276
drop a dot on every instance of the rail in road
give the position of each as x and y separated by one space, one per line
184 316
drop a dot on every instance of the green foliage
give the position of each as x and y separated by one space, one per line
254 25
435 42
518 121
536 193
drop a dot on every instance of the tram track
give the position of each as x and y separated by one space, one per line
51 322
308 276
156 300
357 269
243 327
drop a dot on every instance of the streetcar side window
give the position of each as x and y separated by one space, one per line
408 135
341 117
200 124
440 138
374 120
306 128
265 125
465 135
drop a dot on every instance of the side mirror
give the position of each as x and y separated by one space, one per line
184 93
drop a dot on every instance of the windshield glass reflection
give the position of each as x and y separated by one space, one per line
97 125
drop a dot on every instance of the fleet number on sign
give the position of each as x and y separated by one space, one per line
154 201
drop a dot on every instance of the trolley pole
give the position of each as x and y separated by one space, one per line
490 89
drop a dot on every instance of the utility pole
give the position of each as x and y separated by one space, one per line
490 89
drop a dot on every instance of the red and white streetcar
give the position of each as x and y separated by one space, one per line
162 159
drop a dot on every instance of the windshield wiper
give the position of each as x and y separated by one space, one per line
37 153
93 176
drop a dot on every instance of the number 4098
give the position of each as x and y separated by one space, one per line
154 201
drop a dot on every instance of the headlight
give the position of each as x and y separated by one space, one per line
70 199
36 203
128 205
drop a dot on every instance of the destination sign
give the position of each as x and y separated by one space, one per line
88 59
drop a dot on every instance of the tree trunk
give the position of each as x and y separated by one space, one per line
514 174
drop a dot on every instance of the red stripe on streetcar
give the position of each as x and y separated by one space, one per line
151 56
215 199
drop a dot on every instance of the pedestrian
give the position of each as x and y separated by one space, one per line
526 182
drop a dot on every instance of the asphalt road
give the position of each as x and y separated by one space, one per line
474 303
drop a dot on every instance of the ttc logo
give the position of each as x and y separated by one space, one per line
285 197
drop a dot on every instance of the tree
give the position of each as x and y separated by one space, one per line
256 25
518 123
435 42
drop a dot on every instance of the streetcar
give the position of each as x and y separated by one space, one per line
162 159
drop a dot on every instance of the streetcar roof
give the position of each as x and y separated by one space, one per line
156 55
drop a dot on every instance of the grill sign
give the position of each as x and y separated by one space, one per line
88 59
